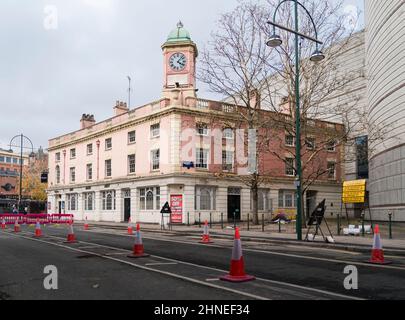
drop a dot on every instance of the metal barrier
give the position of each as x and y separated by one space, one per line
30 219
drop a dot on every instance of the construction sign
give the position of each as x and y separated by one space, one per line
354 191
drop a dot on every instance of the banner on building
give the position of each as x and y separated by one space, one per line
354 191
176 204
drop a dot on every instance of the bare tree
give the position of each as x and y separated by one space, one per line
239 66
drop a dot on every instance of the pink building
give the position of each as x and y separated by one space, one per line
179 149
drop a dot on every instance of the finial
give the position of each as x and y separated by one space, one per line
180 24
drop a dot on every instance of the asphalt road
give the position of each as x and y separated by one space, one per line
180 268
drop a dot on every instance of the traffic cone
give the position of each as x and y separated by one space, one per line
377 253
237 273
38 231
71 238
86 225
3 224
17 226
138 251
206 236
130 229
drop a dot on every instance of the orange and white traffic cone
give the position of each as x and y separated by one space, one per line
206 236
3 224
138 251
38 231
71 238
377 253
86 225
17 226
237 273
130 229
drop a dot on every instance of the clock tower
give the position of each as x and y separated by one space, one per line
180 54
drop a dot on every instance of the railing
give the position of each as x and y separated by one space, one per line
29 219
202 104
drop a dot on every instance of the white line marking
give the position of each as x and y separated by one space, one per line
261 279
161 264
152 270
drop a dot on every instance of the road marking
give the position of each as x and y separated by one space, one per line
218 270
212 280
161 264
203 283
351 262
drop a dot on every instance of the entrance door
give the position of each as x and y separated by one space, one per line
234 205
127 209
61 207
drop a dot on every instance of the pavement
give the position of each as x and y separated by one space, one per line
271 235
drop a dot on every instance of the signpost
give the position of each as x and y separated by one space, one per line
176 205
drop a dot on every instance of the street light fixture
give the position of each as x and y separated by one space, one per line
274 41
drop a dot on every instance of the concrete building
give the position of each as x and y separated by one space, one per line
385 59
179 149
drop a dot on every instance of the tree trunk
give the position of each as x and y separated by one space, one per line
255 211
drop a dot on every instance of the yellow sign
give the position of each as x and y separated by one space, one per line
354 191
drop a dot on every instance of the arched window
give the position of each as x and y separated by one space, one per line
57 174
109 201
205 198
149 200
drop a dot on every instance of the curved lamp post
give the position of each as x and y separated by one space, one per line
275 41
18 142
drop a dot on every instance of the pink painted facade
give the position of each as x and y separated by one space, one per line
133 163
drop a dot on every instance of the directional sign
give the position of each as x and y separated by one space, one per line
354 191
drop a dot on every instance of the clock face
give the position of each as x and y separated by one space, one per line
178 62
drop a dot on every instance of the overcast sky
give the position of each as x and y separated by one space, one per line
49 77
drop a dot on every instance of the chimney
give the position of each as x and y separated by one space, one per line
87 121
120 108
255 99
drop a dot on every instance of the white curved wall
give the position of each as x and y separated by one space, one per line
385 59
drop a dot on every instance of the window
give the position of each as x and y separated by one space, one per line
202 158
131 137
202 129
310 142
227 160
131 164
155 130
72 202
155 160
1 159
89 201
289 167
331 170
108 144
108 170
205 198
331 146
57 174
72 153
228 133
362 157
89 149
8 159
289 140
149 198
287 199
89 173
108 200
57 157
72 175
15 160
263 200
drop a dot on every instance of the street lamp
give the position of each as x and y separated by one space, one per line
18 142
275 41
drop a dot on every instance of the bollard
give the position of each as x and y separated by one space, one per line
248 221
338 224
279 225
210 220
188 218
390 225
222 220
234 220
199 219
263 222
362 224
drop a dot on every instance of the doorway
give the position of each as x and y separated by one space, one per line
127 204
234 204
61 207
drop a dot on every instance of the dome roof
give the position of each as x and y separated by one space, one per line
179 34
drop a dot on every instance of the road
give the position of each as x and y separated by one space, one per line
179 268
